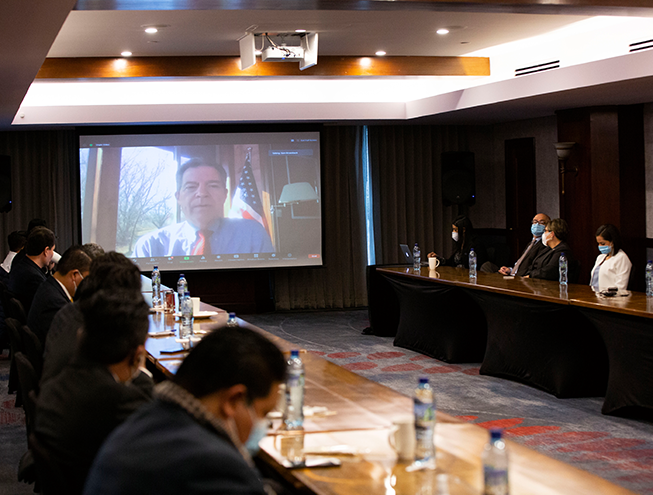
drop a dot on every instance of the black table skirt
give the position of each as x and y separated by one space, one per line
629 343
550 346
440 321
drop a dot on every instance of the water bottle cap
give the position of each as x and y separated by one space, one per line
187 293
181 275
423 379
650 261
495 434
294 353
471 250
563 254
156 267
232 315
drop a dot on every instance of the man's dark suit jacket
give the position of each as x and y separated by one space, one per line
526 263
546 264
61 344
48 300
78 409
24 280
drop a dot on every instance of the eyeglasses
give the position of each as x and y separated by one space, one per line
541 222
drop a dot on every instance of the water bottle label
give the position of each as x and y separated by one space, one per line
424 412
496 481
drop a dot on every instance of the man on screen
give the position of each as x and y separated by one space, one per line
201 193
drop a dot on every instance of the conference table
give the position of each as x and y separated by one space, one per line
567 340
358 413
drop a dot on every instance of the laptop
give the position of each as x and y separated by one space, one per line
408 255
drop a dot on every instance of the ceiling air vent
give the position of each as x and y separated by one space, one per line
641 45
537 68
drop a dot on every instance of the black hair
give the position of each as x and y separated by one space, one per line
611 234
16 240
198 162
73 259
93 250
112 272
559 227
39 239
36 222
115 324
230 356
465 231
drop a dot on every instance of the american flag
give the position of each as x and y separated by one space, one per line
247 201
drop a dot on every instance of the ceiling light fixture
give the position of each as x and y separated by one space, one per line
126 53
300 30
151 30
442 31
380 53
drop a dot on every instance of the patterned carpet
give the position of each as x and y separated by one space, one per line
571 430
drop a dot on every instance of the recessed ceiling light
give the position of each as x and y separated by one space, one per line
151 30
126 53
380 53
300 30
442 31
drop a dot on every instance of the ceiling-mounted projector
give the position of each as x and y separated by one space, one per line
282 54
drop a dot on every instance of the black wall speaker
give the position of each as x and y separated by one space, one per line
5 184
458 178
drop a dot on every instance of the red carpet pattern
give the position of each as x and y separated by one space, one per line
623 460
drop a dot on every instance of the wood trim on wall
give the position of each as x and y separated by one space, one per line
76 68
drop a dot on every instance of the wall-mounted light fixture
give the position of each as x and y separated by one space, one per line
564 151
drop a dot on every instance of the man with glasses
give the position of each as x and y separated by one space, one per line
533 249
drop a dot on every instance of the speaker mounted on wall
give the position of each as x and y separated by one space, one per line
458 178
5 184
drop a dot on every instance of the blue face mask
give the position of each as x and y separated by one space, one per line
605 249
537 230
258 433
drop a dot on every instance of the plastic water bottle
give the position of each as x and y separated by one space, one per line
417 258
293 418
472 264
564 269
424 408
495 465
156 288
232 321
182 288
649 278
186 325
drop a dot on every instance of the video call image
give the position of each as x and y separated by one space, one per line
204 201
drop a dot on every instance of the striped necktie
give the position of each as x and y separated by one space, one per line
203 240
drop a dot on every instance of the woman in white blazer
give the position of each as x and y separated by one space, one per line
612 267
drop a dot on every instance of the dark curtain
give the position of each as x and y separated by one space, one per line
340 283
43 180
406 188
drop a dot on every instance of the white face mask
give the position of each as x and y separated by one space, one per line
546 238
454 236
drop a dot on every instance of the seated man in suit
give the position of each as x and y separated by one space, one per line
112 272
545 266
103 385
533 249
58 290
27 273
199 433
16 241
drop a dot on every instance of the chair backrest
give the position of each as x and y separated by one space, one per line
52 482
28 382
33 349
14 328
16 310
